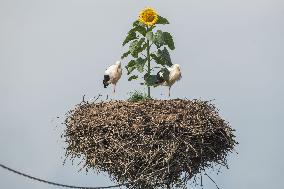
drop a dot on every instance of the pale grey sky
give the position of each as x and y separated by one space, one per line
52 52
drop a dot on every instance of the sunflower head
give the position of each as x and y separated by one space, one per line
148 16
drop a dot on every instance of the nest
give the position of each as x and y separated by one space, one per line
151 143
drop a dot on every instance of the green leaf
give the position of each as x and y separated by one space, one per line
138 23
150 80
169 40
154 57
129 37
162 57
131 63
151 28
140 63
159 39
158 58
162 20
162 38
135 23
132 77
130 66
136 47
133 47
150 36
141 29
144 47
125 54
130 70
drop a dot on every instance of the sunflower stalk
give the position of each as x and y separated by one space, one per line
149 63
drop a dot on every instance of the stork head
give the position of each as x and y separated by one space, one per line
118 63
176 66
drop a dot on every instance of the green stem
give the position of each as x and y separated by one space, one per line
149 65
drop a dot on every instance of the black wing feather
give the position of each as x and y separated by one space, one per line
160 77
105 81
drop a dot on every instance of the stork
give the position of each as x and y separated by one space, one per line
112 75
169 76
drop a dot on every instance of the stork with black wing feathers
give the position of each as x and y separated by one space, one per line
168 76
112 75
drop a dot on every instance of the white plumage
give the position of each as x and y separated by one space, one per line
170 77
112 75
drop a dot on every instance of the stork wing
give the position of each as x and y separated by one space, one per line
110 70
166 73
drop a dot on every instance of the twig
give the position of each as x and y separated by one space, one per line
97 97
211 180
83 100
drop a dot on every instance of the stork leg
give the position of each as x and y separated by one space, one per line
114 88
169 91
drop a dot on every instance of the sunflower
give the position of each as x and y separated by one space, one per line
148 16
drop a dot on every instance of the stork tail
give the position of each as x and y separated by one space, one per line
106 80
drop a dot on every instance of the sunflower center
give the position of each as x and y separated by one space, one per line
150 17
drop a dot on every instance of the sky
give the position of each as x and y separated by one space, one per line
52 52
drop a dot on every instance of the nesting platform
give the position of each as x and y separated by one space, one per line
151 143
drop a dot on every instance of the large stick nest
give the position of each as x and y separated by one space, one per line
148 144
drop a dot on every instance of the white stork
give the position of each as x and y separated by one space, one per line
169 76
112 75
